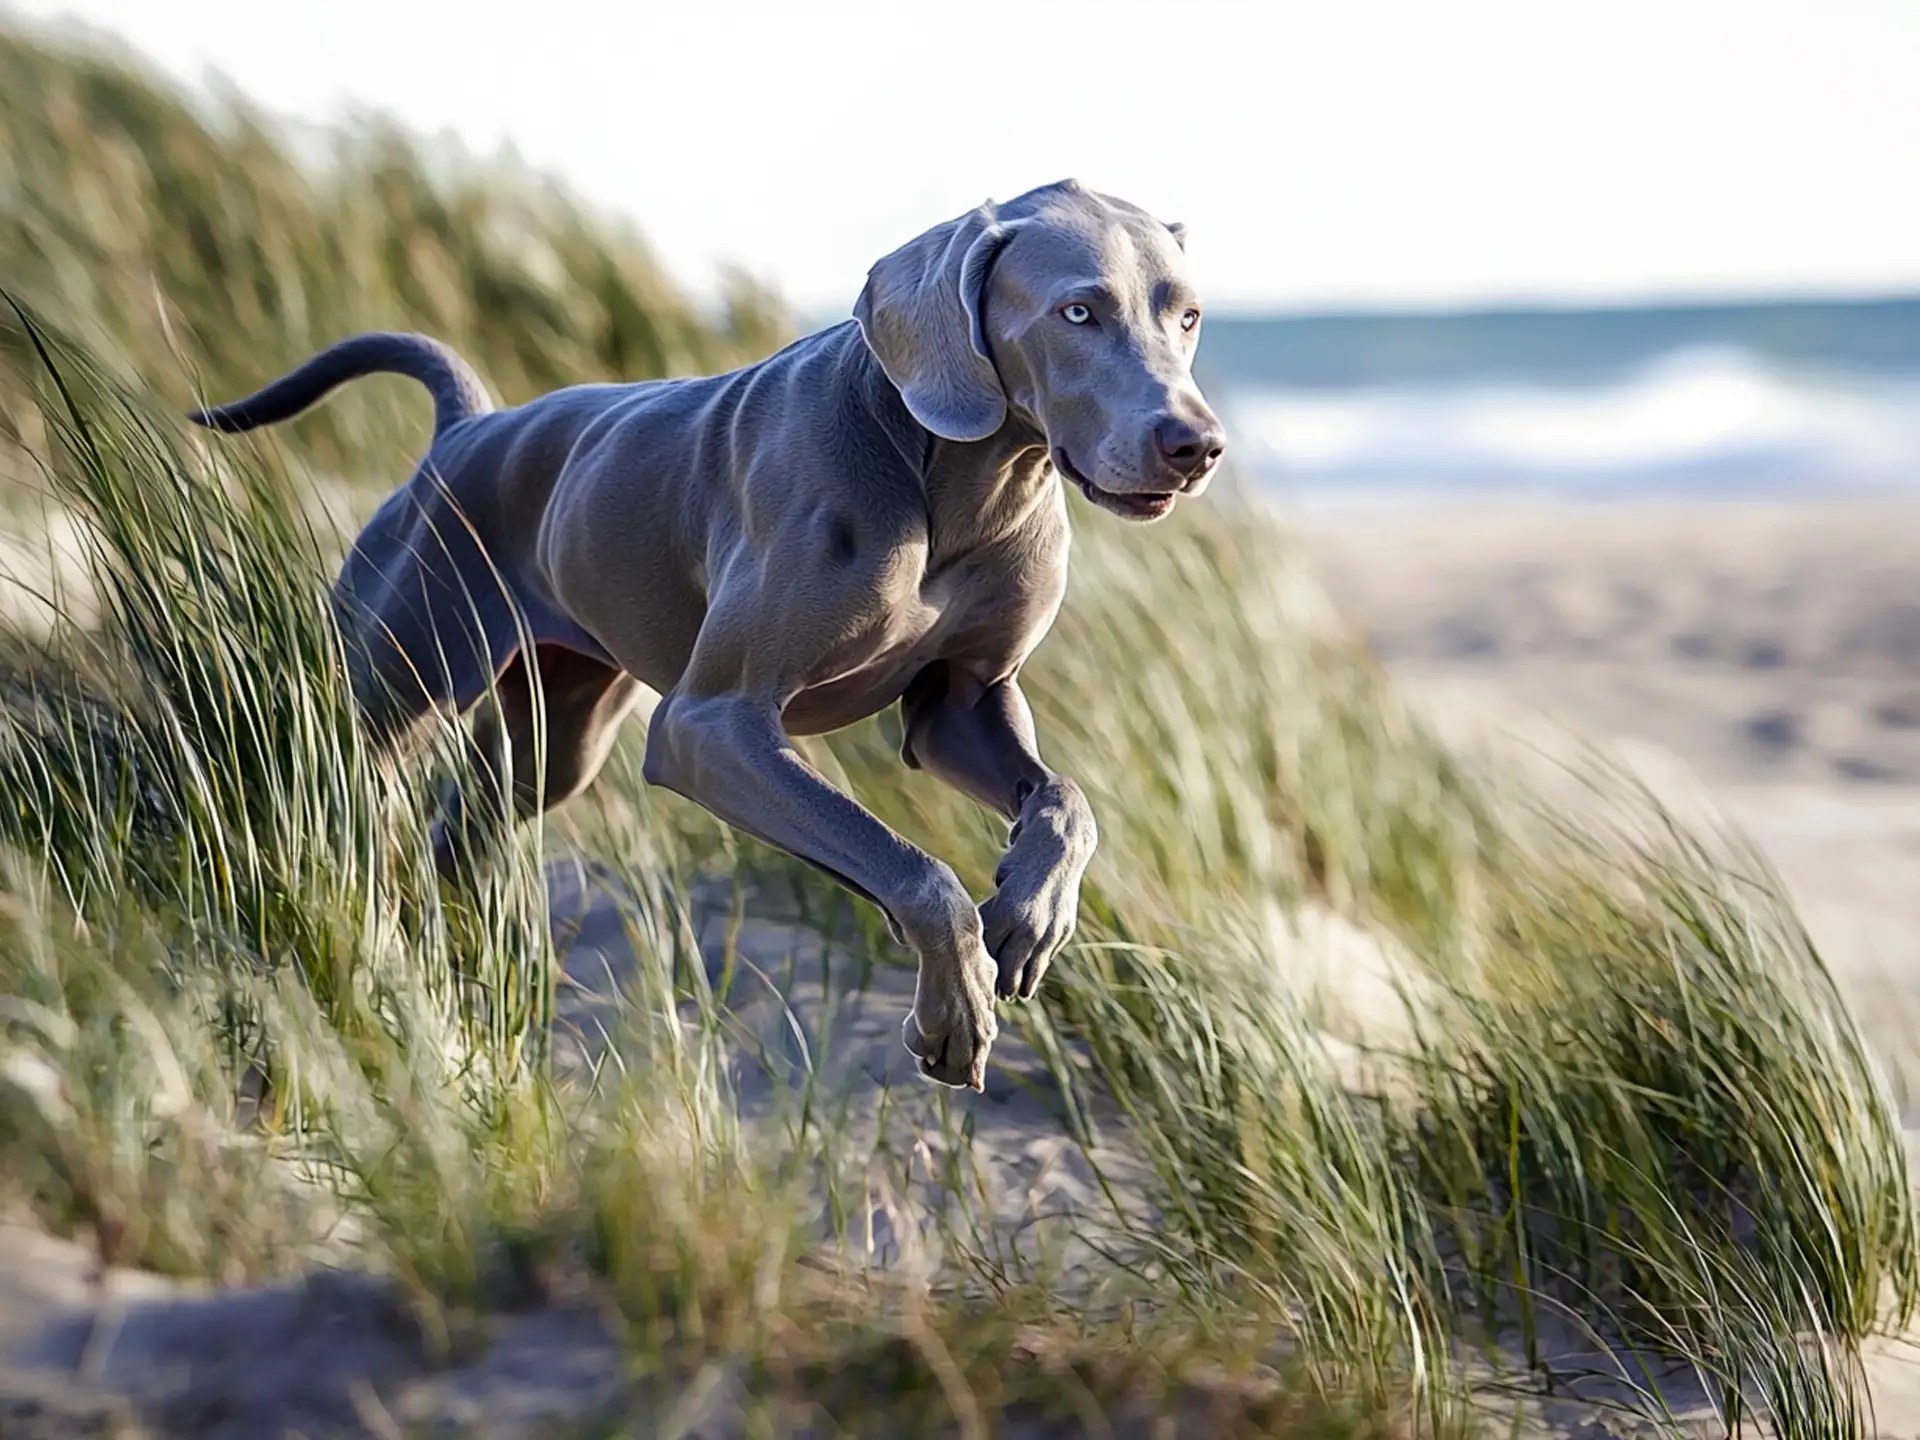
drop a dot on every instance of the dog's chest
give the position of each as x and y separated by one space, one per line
975 612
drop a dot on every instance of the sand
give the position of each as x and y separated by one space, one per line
1766 653
1761 643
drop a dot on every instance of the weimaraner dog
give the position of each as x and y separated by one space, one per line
869 515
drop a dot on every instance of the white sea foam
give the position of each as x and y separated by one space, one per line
1698 419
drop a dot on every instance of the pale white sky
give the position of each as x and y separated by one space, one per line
1324 153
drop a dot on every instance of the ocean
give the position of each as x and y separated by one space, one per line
1727 400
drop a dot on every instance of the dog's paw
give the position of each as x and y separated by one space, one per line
952 1026
1030 916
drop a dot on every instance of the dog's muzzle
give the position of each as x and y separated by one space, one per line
1133 505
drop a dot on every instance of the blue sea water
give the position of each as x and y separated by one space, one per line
1732 400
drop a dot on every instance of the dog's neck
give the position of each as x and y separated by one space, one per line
981 491
977 491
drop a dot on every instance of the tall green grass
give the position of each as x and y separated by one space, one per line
1604 1096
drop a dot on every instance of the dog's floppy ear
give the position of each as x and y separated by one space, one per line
1179 233
922 313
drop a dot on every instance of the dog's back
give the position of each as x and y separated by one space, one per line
618 493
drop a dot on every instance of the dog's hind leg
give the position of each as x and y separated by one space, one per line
428 620
585 702
435 625
546 743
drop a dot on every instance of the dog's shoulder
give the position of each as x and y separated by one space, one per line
822 413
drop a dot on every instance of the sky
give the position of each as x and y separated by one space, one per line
1326 155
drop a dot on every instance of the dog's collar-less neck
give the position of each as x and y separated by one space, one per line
882 401
967 485
979 491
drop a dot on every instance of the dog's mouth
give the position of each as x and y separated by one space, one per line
1133 507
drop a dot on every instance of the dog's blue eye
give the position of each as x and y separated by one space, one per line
1190 319
1076 314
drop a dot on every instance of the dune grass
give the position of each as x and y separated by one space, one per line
199 249
1604 1098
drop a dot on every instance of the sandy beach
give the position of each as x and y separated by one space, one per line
1769 652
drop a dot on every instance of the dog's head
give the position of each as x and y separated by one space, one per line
1070 309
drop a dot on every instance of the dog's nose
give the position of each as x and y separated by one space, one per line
1186 448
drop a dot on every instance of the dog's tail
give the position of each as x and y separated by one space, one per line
457 389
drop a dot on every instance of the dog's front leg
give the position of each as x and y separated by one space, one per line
979 739
730 754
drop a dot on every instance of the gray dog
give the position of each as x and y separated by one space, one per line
870 515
